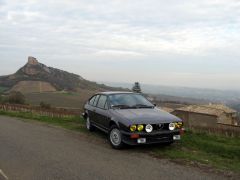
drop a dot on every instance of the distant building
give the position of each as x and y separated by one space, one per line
167 109
206 115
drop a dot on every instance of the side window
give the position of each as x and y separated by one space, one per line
91 101
102 101
106 105
96 100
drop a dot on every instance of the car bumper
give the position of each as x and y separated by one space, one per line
150 138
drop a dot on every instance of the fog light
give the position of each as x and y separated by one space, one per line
178 125
171 126
133 128
140 127
149 128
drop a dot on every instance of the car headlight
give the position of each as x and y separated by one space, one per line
140 127
171 126
133 128
149 128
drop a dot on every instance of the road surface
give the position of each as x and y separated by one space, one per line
35 151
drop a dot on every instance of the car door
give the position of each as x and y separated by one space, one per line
102 117
92 108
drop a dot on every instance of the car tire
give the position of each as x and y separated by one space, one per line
115 137
89 125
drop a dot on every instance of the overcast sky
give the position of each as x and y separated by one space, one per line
179 43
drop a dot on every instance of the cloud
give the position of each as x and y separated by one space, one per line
123 30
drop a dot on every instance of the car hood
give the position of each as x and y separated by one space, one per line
144 116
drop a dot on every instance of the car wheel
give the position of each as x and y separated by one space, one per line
115 138
89 126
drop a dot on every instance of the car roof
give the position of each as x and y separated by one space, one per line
115 92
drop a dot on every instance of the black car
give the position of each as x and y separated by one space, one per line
129 118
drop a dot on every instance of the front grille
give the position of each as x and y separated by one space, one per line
163 127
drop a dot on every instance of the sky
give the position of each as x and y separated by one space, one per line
188 43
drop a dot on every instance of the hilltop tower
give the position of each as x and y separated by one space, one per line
32 60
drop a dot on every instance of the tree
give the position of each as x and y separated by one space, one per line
136 87
45 105
16 97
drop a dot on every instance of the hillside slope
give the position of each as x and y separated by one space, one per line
37 77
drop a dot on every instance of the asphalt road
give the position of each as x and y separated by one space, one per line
34 151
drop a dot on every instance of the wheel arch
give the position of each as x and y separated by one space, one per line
112 122
85 115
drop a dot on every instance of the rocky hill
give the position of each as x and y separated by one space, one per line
37 77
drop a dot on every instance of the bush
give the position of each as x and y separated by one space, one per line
45 105
15 98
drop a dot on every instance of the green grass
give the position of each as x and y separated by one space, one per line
72 123
212 150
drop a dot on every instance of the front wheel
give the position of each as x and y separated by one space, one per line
115 138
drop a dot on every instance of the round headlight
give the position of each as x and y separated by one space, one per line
133 128
140 127
171 126
149 128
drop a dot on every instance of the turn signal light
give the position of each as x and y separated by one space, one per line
134 136
133 128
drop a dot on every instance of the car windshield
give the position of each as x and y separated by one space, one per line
129 101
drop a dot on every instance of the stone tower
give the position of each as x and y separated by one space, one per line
32 60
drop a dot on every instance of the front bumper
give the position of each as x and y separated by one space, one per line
151 138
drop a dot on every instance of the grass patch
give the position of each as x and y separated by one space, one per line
72 123
214 150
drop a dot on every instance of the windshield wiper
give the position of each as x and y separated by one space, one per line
142 106
121 106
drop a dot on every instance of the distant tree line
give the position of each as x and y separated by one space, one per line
136 88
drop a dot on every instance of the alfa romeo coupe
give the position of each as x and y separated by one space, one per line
130 118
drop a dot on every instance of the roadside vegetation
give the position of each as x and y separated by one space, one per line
195 148
13 97
206 149
2 89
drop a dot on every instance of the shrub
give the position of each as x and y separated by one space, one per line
15 97
45 105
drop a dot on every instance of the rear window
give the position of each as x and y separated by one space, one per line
91 101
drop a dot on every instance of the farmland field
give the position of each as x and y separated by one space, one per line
60 99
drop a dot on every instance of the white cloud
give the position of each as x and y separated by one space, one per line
122 30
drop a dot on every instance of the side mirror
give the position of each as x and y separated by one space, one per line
155 105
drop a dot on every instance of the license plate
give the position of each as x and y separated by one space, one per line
141 140
176 137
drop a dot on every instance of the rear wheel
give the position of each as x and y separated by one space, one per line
89 126
115 137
